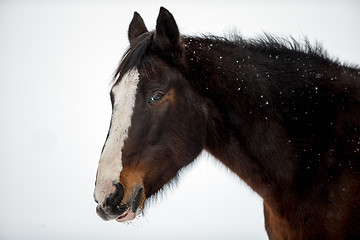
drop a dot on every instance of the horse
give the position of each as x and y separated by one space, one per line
282 115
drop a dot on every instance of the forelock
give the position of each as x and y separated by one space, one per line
134 55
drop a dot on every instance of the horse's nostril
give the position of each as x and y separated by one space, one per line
110 208
114 199
119 190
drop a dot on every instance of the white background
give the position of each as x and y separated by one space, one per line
56 62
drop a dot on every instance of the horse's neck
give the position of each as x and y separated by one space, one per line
255 157
240 134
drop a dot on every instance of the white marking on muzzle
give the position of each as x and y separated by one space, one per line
110 164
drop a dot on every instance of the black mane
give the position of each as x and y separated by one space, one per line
268 44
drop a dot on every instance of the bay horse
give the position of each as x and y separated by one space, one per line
281 115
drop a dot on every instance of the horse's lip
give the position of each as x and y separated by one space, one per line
130 212
128 215
123 215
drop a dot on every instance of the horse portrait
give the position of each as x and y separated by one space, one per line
282 115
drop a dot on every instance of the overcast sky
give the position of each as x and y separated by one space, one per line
56 62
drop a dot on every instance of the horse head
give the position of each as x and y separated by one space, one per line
158 122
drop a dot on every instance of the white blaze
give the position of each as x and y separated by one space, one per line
110 164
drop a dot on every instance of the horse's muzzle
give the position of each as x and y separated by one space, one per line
113 207
110 208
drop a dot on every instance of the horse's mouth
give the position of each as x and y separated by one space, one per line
125 211
134 209
126 216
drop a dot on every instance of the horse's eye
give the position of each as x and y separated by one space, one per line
157 96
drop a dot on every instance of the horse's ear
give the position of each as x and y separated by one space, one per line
137 27
167 36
